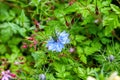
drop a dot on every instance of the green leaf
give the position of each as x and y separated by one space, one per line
5 34
106 3
87 42
4 15
111 22
73 8
4 25
95 46
83 59
59 13
81 72
14 41
36 56
14 27
59 67
35 2
92 29
105 40
88 19
13 57
79 50
105 10
22 20
14 49
2 48
115 8
11 15
22 31
50 76
22 16
90 50
80 38
39 57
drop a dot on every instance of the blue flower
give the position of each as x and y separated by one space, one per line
57 43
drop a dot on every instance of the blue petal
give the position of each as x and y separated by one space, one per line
54 46
63 38
59 46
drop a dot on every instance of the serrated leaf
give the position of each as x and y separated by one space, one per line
105 40
81 72
13 57
3 12
36 56
92 29
90 50
39 58
5 34
59 68
79 50
80 38
2 48
11 15
4 15
35 2
22 16
22 20
111 22
14 27
22 31
87 42
14 41
95 46
50 76
4 25
83 59
65 74
14 49
59 13
115 8
73 8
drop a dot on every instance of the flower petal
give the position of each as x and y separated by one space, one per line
5 78
63 38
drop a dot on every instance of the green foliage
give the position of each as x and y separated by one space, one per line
39 58
115 8
93 27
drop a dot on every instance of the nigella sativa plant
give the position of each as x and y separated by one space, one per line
57 42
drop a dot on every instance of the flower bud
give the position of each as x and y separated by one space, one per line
30 38
67 24
24 46
111 58
72 50
12 75
42 77
96 21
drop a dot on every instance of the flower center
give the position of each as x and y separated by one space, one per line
55 38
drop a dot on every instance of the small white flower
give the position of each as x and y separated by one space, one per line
114 76
90 78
